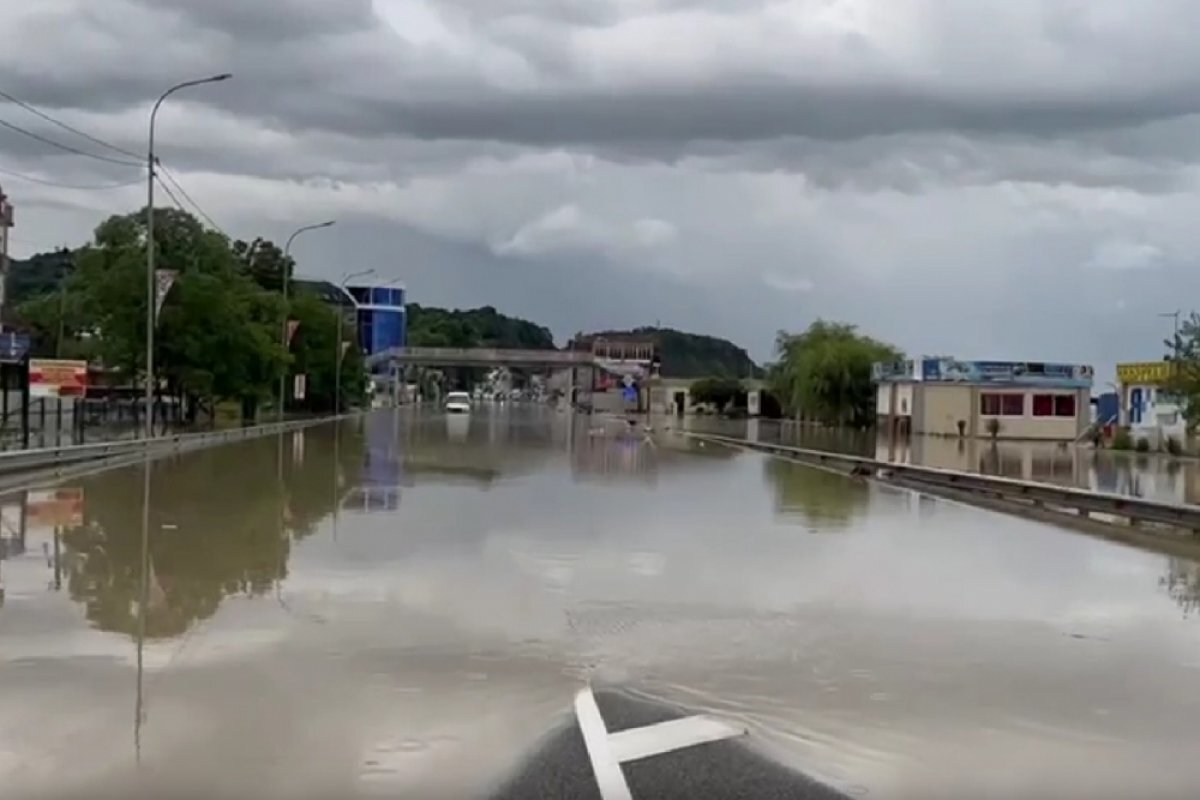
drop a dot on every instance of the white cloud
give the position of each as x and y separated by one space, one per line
789 283
1123 255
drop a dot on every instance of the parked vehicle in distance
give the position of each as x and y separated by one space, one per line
458 403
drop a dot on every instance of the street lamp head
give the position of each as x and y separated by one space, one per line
327 224
224 76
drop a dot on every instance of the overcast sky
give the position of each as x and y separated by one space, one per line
984 178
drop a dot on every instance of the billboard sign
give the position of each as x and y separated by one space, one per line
1023 372
896 370
1146 373
62 507
55 377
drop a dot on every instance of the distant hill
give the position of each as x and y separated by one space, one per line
429 326
685 355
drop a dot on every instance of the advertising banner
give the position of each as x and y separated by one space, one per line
1022 372
164 279
54 377
62 507
1147 373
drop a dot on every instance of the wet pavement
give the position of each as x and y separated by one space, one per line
1154 476
410 608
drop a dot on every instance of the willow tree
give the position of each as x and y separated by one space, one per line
825 372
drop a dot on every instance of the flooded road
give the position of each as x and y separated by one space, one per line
407 606
1154 476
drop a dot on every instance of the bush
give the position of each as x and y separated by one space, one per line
993 427
1174 446
1122 440
1143 445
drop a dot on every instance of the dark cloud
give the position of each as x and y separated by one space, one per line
729 166
266 22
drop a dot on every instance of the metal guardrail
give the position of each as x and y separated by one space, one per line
21 461
1083 502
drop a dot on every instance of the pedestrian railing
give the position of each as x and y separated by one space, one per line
1085 503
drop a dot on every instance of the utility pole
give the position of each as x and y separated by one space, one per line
1175 339
283 334
341 324
151 278
6 222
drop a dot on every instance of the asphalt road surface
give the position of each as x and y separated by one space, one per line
721 770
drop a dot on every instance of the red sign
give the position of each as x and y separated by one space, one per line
55 507
52 377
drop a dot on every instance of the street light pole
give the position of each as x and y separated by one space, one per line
283 338
150 278
337 353
1175 341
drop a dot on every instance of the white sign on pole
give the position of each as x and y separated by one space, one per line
299 386
164 280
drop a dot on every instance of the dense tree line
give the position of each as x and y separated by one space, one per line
476 327
218 334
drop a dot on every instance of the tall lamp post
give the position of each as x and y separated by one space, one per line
1175 341
283 338
150 277
337 354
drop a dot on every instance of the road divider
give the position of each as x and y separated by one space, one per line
1009 494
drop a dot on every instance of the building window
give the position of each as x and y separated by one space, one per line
1001 405
1054 405
1064 405
1043 405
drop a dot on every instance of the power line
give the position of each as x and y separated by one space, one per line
44 182
66 127
188 197
170 194
67 147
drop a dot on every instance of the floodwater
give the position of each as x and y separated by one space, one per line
407 608
1150 475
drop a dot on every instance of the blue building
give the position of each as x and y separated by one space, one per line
382 322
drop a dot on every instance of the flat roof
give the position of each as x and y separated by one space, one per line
380 284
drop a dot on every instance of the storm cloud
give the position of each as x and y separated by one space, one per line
994 179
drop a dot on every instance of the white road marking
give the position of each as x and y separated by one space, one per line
609 777
608 751
675 734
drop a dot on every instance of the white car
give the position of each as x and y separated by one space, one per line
458 403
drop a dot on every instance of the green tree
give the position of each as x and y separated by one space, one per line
264 262
479 327
825 372
1184 353
217 334
314 348
720 392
